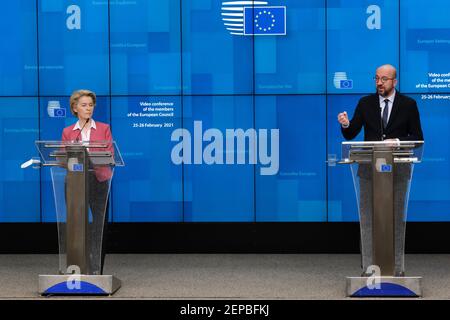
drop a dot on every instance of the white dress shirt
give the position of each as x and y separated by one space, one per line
390 104
85 136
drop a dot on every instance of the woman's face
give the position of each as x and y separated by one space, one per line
84 108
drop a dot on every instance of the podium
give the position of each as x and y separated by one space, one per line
81 175
382 173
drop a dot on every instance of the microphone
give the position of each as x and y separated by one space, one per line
78 135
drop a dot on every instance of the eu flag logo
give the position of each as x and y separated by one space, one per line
77 167
264 20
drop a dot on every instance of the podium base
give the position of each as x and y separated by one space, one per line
78 284
384 287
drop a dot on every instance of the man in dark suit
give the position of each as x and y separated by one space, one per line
401 115
389 116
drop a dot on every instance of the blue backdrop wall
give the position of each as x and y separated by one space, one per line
180 58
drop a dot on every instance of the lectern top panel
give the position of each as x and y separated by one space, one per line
361 151
383 143
51 152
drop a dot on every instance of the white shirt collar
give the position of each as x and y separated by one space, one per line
78 127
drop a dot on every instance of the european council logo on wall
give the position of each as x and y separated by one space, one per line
55 110
246 18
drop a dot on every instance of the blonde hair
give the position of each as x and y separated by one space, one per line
76 95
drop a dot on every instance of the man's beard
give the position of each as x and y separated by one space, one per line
385 93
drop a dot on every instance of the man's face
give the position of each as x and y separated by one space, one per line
385 81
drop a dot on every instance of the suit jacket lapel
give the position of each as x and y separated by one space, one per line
376 111
394 112
94 136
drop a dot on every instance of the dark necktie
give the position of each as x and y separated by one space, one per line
385 112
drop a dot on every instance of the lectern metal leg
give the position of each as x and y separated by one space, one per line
77 202
383 212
